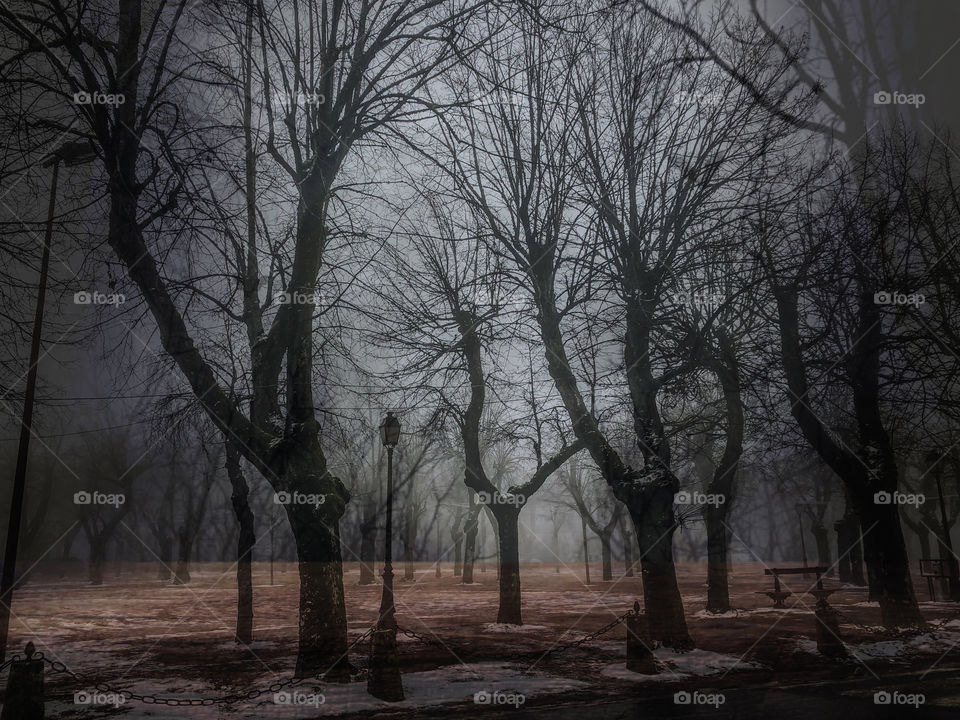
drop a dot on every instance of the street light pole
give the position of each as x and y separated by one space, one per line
388 618
26 423
72 153
384 680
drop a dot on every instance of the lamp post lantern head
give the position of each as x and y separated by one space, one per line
390 431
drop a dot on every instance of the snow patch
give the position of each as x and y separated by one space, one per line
680 666
507 628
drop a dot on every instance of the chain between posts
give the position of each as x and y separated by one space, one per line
58 667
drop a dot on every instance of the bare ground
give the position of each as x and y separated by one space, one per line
137 634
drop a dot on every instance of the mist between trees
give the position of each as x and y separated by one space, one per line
593 255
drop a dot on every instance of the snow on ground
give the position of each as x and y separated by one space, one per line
498 683
507 628
928 643
707 615
680 666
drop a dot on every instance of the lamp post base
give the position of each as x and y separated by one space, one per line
384 680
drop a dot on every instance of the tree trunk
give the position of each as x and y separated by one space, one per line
368 543
409 542
884 551
627 546
718 544
606 557
470 543
246 539
508 545
822 540
586 549
652 513
184 551
323 627
98 554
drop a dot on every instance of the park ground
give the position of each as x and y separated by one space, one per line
137 634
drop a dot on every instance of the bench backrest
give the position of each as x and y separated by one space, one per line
795 571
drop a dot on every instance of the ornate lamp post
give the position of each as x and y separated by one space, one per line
384 680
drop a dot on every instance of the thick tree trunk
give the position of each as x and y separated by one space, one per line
822 540
470 544
246 539
457 556
850 563
323 627
718 544
508 544
368 543
606 556
652 513
884 551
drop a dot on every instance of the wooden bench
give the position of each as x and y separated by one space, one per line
778 595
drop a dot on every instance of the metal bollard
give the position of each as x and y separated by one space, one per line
828 632
24 697
639 646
